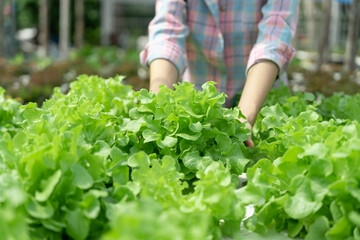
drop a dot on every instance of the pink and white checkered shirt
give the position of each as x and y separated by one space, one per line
219 40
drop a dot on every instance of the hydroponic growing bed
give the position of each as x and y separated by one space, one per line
105 162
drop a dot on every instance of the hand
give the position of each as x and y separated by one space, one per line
249 142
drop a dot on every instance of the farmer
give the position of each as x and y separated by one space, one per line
239 44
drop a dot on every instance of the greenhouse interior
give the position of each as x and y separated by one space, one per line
180 119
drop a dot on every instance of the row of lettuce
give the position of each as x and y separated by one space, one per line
106 162
309 182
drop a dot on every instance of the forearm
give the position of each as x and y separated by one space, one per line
162 72
260 79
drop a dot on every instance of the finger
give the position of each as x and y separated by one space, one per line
249 143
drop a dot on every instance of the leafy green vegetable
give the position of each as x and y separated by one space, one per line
147 219
105 162
102 147
308 180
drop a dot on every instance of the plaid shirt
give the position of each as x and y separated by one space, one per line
219 40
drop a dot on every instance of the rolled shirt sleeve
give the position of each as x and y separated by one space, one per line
167 34
276 30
